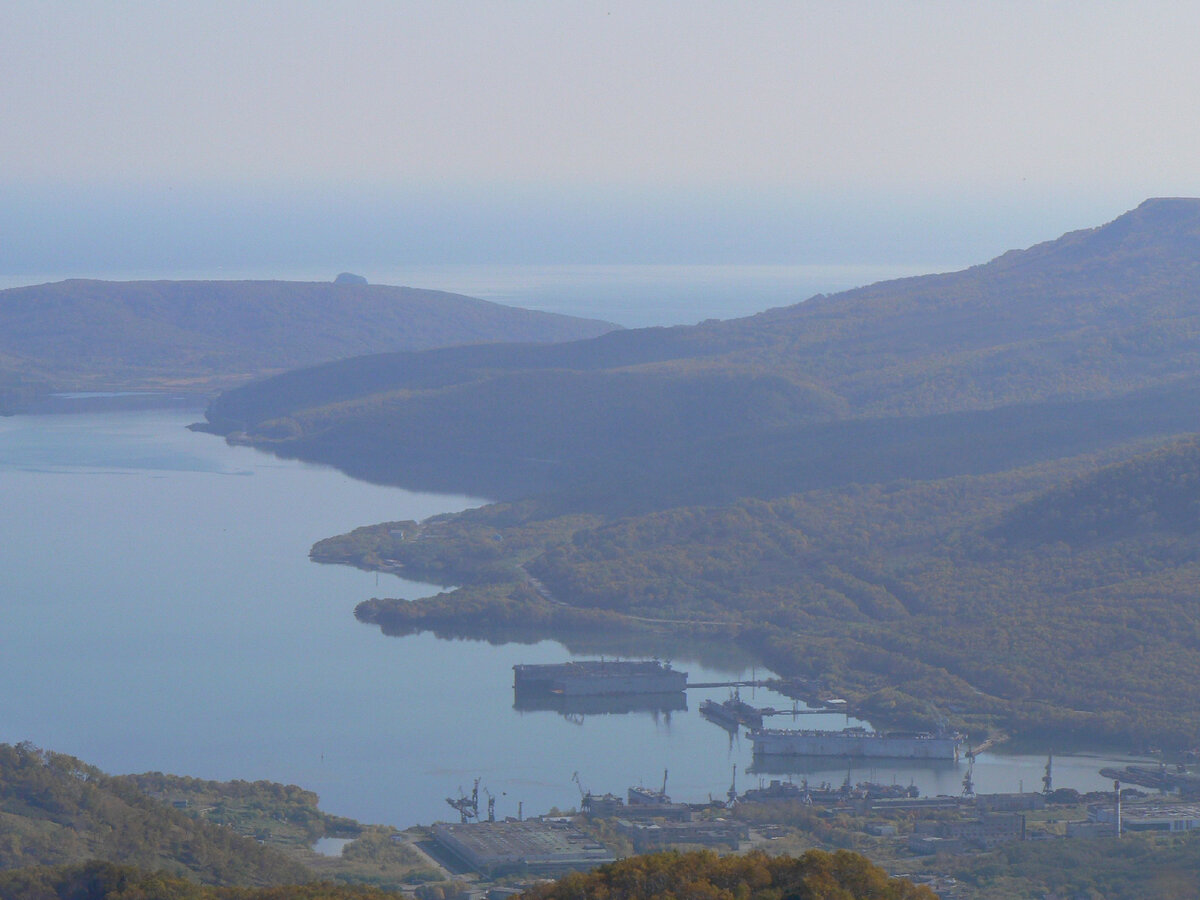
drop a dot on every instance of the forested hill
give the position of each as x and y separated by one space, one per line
55 809
1097 326
971 495
81 333
1151 493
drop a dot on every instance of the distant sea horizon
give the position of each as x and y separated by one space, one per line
633 296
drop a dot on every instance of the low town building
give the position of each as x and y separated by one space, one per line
1024 802
982 833
649 836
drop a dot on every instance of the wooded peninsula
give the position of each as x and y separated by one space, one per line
969 497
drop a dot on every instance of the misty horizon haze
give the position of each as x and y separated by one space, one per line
408 133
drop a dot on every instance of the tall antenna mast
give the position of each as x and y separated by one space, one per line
1117 791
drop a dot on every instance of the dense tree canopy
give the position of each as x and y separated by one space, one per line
56 809
754 876
940 494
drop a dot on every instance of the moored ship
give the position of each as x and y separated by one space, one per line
825 793
855 742
599 677
732 712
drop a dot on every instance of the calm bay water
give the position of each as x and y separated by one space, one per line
160 613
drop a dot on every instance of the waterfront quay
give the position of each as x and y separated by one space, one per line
891 823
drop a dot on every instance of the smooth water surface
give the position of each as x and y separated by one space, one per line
160 613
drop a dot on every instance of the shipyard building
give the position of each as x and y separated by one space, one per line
647 837
534 845
953 836
643 804
1147 816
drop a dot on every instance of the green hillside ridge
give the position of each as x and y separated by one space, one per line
1156 492
55 809
891 489
1086 322
97 880
1094 312
61 813
79 334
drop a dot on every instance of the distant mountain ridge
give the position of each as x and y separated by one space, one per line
82 333
969 496
1092 317
1093 313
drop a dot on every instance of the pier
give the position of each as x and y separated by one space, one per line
823 711
790 687
769 683
797 689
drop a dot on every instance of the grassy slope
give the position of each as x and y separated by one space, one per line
97 880
58 811
55 809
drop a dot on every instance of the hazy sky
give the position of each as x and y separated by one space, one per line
691 131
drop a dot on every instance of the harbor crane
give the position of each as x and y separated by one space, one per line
468 807
969 779
585 796
491 805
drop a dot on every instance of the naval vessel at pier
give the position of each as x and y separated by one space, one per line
732 713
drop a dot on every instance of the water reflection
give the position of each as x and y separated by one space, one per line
531 701
134 562
722 655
